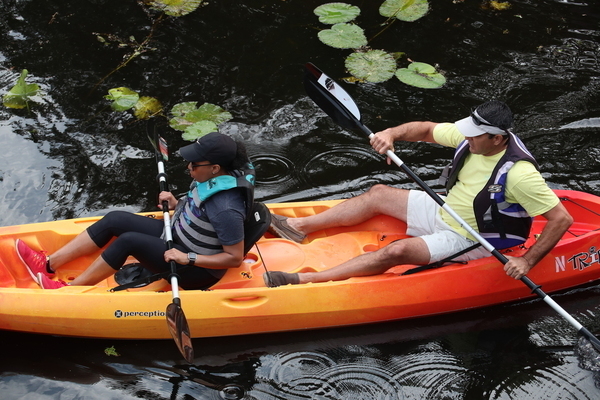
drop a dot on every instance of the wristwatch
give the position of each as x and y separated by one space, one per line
191 258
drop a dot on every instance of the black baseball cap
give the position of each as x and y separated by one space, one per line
213 147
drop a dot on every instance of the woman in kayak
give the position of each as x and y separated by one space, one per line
207 225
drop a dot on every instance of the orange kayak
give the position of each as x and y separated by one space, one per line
241 304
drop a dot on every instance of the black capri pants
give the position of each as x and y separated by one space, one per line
140 237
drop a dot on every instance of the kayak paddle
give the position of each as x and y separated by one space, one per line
338 104
176 321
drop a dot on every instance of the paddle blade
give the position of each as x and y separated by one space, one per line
163 148
180 331
157 141
332 99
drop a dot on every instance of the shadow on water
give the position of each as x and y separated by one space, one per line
70 156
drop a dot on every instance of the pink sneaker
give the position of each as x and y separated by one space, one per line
35 261
47 283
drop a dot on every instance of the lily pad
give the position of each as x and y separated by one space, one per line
122 98
175 8
147 107
371 66
404 10
335 13
421 75
196 121
180 109
344 36
210 112
19 95
198 129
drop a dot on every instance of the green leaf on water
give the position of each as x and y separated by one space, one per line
421 75
335 13
404 10
344 36
146 107
210 112
110 351
175 8
20 94
371 66
122 98
199 129
186 115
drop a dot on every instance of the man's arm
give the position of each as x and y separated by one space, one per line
417 131
559 220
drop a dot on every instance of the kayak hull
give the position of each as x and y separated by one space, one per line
241 304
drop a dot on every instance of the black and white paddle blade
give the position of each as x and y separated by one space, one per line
332 99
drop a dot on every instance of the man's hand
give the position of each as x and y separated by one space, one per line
517 267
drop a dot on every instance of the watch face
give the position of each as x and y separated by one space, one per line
191 257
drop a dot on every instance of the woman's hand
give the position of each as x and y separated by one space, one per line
176 255
169 198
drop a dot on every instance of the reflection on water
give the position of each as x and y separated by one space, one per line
70 156
511 352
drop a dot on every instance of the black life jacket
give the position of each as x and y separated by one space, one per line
501 223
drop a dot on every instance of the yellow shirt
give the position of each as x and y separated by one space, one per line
524 184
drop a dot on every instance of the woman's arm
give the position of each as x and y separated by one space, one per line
231 257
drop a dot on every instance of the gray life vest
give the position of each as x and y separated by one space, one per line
191 227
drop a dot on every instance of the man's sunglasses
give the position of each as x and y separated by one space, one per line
478 121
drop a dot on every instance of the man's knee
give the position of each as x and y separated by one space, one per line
381 192
407 251
396 250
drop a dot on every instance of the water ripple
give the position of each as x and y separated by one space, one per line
318 376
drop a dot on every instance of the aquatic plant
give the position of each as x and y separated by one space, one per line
172 8
372 65
21 93
175 8
124 99
186 117
196 121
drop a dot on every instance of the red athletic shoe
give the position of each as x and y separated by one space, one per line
35 261
47 283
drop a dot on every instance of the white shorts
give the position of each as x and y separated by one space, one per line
424 220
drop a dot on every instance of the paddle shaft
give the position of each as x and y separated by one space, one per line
162 183
324 94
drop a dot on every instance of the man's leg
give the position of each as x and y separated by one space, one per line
379 200
405 251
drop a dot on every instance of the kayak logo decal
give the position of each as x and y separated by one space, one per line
147 314
579 261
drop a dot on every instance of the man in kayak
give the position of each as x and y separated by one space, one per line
493 184
207 226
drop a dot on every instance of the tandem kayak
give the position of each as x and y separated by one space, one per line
241 304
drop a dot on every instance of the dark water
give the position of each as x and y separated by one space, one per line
70 156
